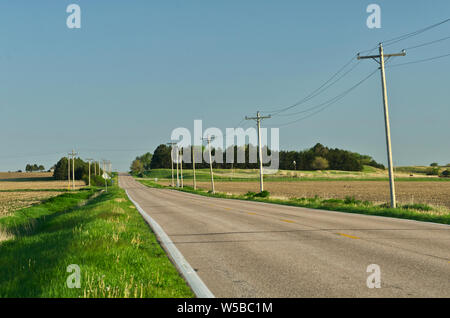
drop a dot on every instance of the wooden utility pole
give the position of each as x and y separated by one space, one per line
172 144
208 139
73 154
68 173
258 119
89 160
181 167
193 166
381 59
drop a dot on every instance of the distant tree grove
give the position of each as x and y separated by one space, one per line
318 157
81 171
34 167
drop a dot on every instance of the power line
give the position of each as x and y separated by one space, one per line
420 61
328 103
317 91
409 35
427 43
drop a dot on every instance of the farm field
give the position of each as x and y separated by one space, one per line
412 186
12 201
369 173
20 190
433 193
33 181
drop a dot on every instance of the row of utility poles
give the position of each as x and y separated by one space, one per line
106 168
178 158
380 59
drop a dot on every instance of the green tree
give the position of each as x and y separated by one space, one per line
136 166
161 157
319 163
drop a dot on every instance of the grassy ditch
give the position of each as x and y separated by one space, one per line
102 233
419 212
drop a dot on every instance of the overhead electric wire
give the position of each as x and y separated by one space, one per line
420 61
330 102
427 43
408 35
317 91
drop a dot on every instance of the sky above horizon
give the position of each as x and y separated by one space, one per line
136 70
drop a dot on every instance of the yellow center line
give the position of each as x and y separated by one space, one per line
288 221
250 213
349 236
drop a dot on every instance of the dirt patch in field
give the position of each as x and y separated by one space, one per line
435 193
12 201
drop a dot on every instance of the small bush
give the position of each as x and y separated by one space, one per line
433 172
250 194
351 200
264 194
96 181
333 201
445 173
417 206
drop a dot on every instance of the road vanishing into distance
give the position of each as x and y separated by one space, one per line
252 249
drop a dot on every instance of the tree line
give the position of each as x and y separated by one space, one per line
81 171
34 167
318 157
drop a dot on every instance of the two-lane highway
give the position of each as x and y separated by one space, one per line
251 249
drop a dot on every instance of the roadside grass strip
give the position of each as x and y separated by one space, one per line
418 212
101 233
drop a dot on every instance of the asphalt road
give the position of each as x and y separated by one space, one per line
252 249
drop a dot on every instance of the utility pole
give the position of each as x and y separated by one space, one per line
89 160
178 180
95 167
208 139
68 173
171 144
193 165
380 59
181 167
73 154
258 119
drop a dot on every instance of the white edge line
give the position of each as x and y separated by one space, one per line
195 282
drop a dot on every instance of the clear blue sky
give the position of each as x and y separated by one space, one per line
138 69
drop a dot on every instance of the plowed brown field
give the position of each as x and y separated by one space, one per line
435 193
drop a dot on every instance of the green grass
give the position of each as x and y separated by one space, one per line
419 212
103 233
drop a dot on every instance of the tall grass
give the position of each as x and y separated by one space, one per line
104 235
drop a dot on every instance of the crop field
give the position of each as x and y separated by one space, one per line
412 186
33 181
437 194
369 173
12 201
20 190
